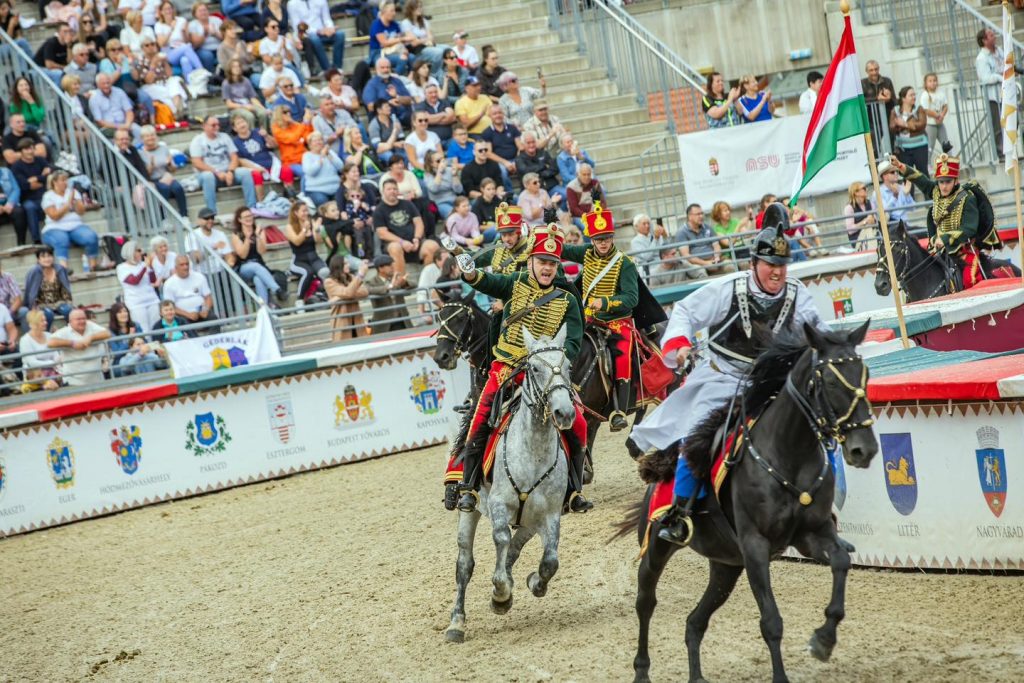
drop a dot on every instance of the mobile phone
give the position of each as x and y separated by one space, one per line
540 73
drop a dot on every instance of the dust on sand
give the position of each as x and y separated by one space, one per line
348 574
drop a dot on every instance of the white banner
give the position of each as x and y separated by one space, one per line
739 165
228 350
177 447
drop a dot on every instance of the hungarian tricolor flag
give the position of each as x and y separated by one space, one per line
839 112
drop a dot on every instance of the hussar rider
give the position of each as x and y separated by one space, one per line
732 310
532 299
511 254
961 221
610 293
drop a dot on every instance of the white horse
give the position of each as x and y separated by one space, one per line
529 482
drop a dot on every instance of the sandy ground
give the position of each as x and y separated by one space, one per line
322 576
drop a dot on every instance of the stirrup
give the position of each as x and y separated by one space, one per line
469 500
577 503
679 532
617 421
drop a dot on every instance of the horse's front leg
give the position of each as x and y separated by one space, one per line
519 539
757 562
824 546
501 596
456 632
538 581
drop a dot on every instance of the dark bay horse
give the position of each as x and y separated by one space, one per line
920 274
778 493
463 331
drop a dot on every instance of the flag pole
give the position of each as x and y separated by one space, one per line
1020 223
1010 141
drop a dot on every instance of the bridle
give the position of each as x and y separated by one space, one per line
906 273
535 397
445 331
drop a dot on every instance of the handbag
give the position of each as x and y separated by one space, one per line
655 375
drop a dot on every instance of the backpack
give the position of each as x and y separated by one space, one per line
360 76
987 237
365 19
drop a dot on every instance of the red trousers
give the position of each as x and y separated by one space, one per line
973 273
623 344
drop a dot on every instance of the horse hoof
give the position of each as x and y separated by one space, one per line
819 650
641 678
454 636
501 607
533 582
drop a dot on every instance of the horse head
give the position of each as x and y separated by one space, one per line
838 385
883 279
546 388
455 331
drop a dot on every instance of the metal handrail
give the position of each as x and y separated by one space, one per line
112 176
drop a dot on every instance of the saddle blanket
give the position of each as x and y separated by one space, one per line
454 471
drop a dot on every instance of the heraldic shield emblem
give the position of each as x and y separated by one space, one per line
900 473
61 459
206 429
206 433
126 443
991 469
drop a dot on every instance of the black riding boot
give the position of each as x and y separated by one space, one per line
574 500
620 401
472 460
676 525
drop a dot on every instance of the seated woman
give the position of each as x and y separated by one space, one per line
134 34
64 206
159 81
26 102
41 367
290 136
160 167
72 87
726 226
249 243
173 38
241 98
321 170
443 184
254 153
345 290
359 154
121 325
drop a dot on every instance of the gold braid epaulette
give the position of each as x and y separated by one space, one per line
947 213
545 320
913 175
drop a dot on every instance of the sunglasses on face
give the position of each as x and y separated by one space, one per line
421 120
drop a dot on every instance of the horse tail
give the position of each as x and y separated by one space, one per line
635 519
658 466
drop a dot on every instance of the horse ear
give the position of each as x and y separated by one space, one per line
468 297
814 338
856 337
528 339
560 337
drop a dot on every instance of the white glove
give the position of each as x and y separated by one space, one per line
466 264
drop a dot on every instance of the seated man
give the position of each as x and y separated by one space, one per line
440 115
320 31
474 173
535 159
19 131
190 294
387 289
505 142
400 229
111 109
31 172
669 270
384 86
570 157
532 301
82 347
700 247
215 158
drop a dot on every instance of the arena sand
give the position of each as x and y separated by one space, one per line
347 575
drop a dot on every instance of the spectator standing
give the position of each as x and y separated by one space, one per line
386 287
699 247
535 201
11 210
189 295
933 102
10 296
481 167
517 101
427 294
471 109
727 226
384 86
111 108
644 246
535 159
82 349
896 196
250 244
878 90
440 114
320 31
48 287
160 167
303 233
386 40
547 127
138 284
345 290
755 104
40 363
908 122
809 97
465 54
421 142
163 258
321 169
860 213
31 174
338 232
215 158
26 102
570 158
489 73
443 186
64 206
400 229
583 192
719 106
505 144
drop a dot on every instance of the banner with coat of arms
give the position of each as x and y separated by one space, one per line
226 350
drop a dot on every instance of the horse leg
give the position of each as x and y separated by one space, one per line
648 575
588 465
825 547
538 581
501 596
720 585
456 632
519 539
757 559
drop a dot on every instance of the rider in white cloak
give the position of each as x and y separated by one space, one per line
730 309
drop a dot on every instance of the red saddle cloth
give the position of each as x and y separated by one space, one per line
454 471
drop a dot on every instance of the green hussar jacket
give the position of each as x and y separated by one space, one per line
617 290
504 260
519 291
955 220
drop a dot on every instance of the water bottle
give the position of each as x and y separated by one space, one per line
85 263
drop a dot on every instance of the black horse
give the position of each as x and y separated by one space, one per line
463 329
778 494
920 274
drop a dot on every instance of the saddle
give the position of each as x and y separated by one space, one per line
501 416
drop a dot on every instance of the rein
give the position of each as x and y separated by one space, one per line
444 330
907 273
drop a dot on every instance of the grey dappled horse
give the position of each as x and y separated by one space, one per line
530 476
